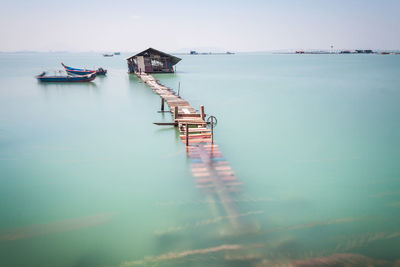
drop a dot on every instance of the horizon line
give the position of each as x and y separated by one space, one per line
199 51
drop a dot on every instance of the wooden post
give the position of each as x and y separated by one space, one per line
162 104
179 88
212 130
175 112
187 134
202 112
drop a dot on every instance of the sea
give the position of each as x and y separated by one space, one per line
87 179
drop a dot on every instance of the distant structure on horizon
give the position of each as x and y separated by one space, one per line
359 51
152 61
368 51
193 52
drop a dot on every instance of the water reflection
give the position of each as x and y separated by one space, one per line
132 78
61 85
64 88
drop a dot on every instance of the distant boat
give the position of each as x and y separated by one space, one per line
108 55
117 53
75 71
66 78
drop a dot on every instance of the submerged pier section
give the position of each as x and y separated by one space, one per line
212 173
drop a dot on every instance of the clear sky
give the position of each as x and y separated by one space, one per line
248 25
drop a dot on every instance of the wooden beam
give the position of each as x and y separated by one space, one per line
166 123
192 115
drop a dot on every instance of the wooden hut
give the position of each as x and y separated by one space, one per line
152 61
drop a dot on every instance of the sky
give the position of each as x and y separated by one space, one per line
240 26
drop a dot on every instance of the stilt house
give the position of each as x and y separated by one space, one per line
152 61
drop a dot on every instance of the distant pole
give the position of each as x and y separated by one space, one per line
187 134
179 87
162 104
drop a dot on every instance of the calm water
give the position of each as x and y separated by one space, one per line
86 179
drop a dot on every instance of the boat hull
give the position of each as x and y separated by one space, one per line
68 79
75 71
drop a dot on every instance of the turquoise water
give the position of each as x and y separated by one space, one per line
86 179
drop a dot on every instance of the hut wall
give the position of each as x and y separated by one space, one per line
141 63
157 64
147 65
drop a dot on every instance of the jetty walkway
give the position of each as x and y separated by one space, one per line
211 172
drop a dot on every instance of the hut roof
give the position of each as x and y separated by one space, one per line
150 50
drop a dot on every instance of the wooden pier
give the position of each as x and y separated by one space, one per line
212 173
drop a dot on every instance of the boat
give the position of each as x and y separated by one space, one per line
108 55
66 78
75 71
117 53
